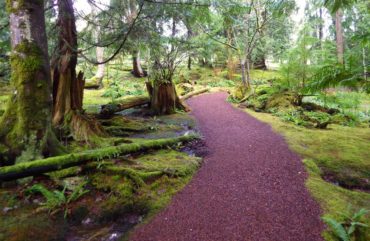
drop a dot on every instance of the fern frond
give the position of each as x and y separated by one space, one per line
337 228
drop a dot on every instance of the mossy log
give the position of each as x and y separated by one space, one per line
110 109
38 167
194 93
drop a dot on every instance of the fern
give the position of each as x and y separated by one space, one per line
333 76
56 200
346 231
338 229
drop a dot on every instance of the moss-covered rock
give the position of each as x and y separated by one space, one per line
240 92
282 100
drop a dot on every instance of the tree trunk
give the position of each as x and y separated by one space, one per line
231 66
99 75
137 71
96 82
242 67
260 63
164 99
248 72
339 36
67 87
25 127
364 65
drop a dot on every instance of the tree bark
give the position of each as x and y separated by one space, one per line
25 127
339 37
137 71
67 86
164 99
99 75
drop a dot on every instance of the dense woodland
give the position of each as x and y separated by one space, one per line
96 134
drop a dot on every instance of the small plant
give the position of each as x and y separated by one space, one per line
57 200
114 90
350 228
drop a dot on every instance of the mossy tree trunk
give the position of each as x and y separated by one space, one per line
25 127
67 86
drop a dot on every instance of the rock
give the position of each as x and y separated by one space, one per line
7 209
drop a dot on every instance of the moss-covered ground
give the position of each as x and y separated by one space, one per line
338 163
122 191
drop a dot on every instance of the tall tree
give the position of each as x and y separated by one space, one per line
25 127
335 7
99 75
339 38
67 85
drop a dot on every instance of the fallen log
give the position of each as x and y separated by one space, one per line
130 102
38 167
134 101
193 93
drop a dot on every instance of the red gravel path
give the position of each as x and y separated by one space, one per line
250 187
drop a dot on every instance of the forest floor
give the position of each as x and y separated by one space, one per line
250 186
336 160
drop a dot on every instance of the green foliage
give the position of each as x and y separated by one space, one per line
116 90
352 106
55 199
349 229
335 5
333 76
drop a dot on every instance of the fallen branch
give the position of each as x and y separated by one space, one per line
193 93
38 167
127 103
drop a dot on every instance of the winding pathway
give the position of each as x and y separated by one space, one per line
249 188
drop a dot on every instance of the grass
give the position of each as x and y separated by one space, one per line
341 151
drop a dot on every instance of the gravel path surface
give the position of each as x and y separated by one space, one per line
250 187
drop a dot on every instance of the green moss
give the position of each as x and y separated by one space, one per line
335 201
281 100
172 162
20 4
126 124
61 162
28 109
240 92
